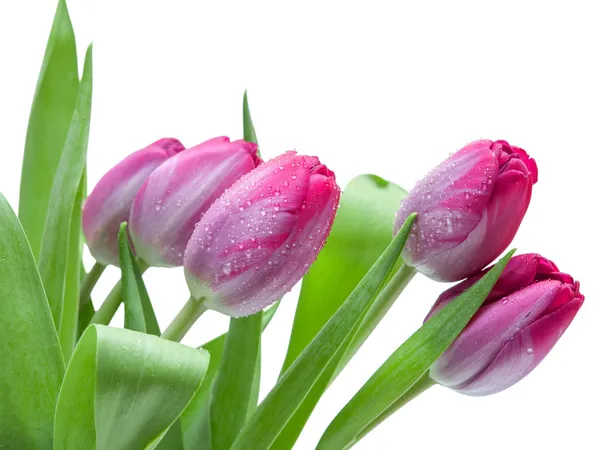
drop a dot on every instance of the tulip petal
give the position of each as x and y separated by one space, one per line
259 238
499 223
490 330
523 352
109 204
468 209
175 197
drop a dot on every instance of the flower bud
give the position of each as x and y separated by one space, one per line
108 205
530 307
468 208
177 194
262 235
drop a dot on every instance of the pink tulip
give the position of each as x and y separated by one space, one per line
469 209
527 312
108 205
262 235
177 194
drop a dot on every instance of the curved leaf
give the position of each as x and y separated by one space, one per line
124 389
32 363
287 395
49 120
408 364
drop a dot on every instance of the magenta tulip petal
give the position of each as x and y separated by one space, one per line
468 209
260 237
109 203
523 352
175 197
491 328
522 318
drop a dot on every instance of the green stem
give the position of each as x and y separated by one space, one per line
110 306
184 320
417 389
89 282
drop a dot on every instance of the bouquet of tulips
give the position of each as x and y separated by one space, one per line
246 231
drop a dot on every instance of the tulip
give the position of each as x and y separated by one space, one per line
262 235
177 194
530 307
108 205
469 209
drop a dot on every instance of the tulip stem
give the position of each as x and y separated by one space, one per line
416 389
112 302
184 320
89 282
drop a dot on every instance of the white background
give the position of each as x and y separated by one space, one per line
382 87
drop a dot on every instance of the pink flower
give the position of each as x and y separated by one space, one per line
262 235
469 209
108 205
530 307
177 194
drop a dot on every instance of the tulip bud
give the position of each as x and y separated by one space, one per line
177 194
530 307
469 209
262 235
108 205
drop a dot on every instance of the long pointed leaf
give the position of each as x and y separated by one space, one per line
139 314
408 364
32 363
70 311
124 389
287 395
364 219
233 390
53 258
49 120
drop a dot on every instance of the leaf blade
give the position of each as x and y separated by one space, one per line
69 320
364 218
233 390
288 394
195 419
408 363
49 120
32 362
53 257
124 389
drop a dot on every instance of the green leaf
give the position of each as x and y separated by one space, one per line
287 395
53 260
32 362
363 228
70 312
195 419
139 314
233 391
249 132
124 389
49 120
408 364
